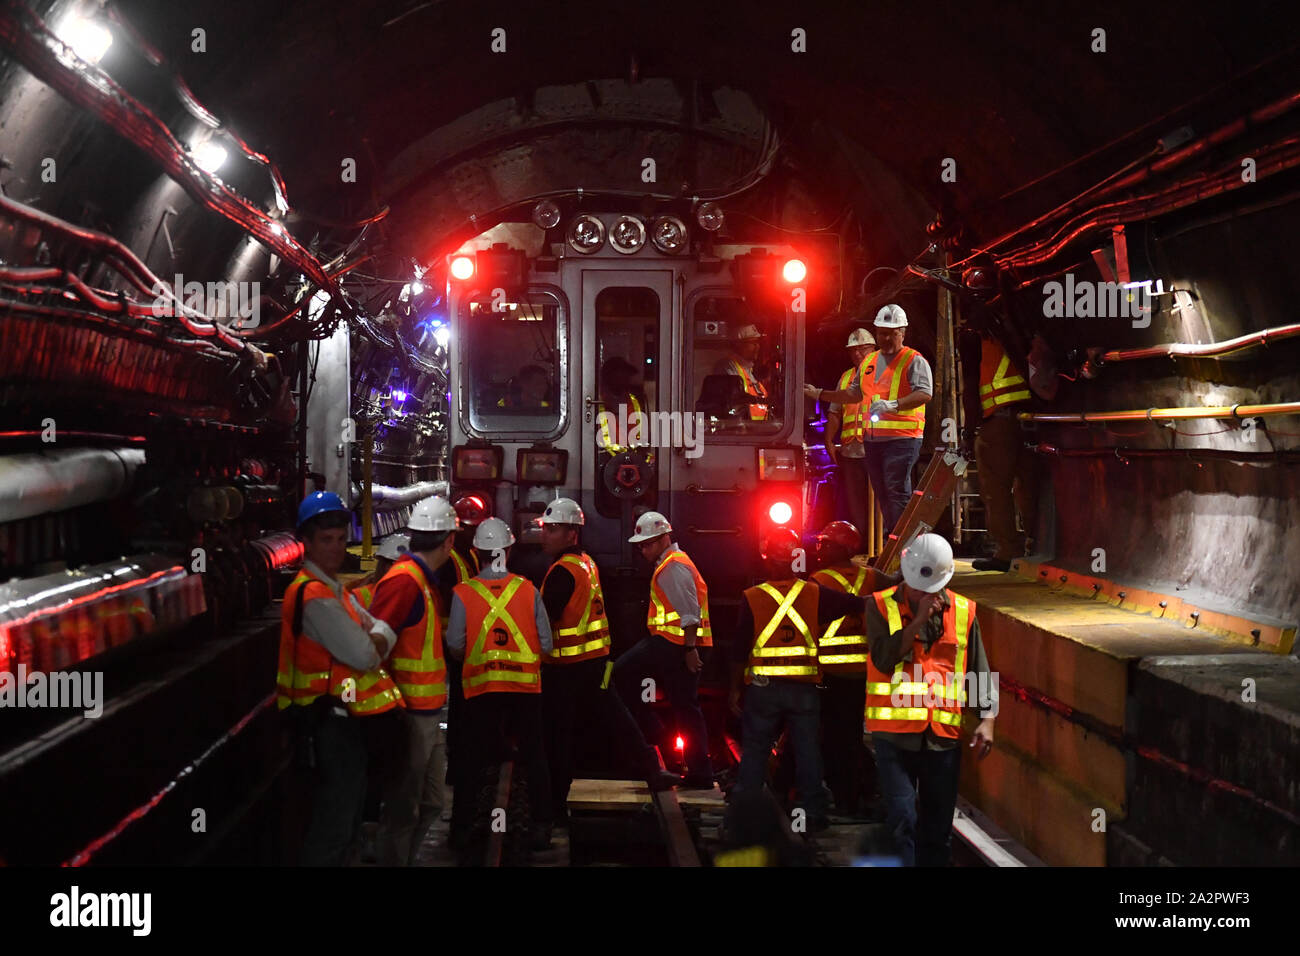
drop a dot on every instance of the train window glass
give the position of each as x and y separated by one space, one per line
738 364
627 373
514 371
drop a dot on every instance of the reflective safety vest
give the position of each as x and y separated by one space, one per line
664 619
753 388
419 664
505 650
365 594
843 648
932 694
307 671
997 388
785 622
608 441
582 632
892 385
851 428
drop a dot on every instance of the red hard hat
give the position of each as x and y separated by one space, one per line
842 533
779 545
471 509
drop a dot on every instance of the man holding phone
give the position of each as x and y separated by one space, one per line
925 643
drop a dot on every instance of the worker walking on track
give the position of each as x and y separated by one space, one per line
842 653
894 384
672 654
406 601
784 617
576 674
499 626
330 681
925 647
845 423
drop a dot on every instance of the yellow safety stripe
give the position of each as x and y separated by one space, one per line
303 679
663 617
754 389
785 608
519 677
496 611
913 713
850 414
767 670
842 658
782 651
1000 377
576 649
842 639
855 588
913 416
832 637
1005 398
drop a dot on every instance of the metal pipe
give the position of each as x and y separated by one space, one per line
1250 340
1164 414
389 498
1289 455
38 484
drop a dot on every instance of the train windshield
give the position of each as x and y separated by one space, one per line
739 364
514 364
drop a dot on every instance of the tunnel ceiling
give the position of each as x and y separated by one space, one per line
441 127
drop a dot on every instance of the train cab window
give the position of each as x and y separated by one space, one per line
513 369
738 368
627 373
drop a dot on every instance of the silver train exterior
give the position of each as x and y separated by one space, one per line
519 439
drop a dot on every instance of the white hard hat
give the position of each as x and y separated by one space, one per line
563 511
493 533
927 563
860 337
433 514
749 332
891 317
391 548
650 525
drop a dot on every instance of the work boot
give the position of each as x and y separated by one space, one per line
662 780
991 564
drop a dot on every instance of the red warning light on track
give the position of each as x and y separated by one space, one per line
794 270
780 512
462 267
680 744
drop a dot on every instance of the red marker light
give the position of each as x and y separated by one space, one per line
794 270
681 744
462 268
780 512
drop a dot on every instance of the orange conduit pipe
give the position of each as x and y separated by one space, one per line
1181 350
1164 414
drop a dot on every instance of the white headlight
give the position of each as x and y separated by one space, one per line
586 234
627 235
669 235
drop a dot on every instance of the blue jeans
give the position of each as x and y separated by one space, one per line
889 466
796 703
852 504
918 778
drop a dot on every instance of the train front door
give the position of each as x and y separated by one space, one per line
626 369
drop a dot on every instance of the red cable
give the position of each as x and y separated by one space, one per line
83 857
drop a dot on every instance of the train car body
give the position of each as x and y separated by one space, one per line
558 356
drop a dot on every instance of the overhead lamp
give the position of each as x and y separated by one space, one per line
546 214
709 216
88 38
209 156
669 235
586 234
627 234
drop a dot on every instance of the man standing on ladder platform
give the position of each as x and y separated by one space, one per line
845 422
894 384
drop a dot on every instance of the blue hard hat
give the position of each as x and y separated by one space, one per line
319 503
